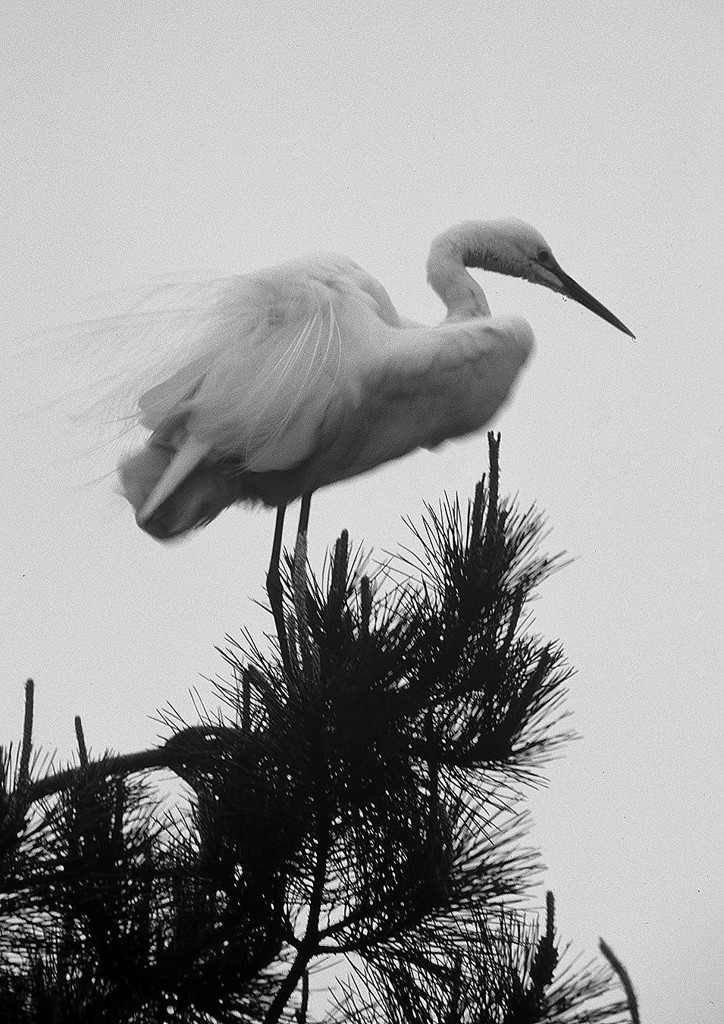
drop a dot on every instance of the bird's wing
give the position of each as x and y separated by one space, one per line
433 384
274 350
169 398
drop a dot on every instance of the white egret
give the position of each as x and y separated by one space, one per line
305 374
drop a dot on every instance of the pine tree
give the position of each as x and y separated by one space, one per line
359 799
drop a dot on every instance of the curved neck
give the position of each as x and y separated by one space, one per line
450 254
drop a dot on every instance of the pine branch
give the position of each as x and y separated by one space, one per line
27 745
353 795
109 765
624 978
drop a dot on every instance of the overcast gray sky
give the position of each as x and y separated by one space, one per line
144 139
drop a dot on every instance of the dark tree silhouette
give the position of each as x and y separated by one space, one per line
360 801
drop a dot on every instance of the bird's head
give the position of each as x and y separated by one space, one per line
510 246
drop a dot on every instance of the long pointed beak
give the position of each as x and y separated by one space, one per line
574 291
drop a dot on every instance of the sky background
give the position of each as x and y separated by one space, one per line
204 139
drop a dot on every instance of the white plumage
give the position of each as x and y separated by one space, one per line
304 374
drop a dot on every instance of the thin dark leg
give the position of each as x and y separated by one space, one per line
300 546
301 593
274 589
304 513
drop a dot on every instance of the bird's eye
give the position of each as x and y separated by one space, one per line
544 256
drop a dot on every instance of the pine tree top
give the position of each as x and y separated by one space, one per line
357 795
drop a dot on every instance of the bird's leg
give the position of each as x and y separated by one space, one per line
274 589
300 547
300 594
299 570
304 513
